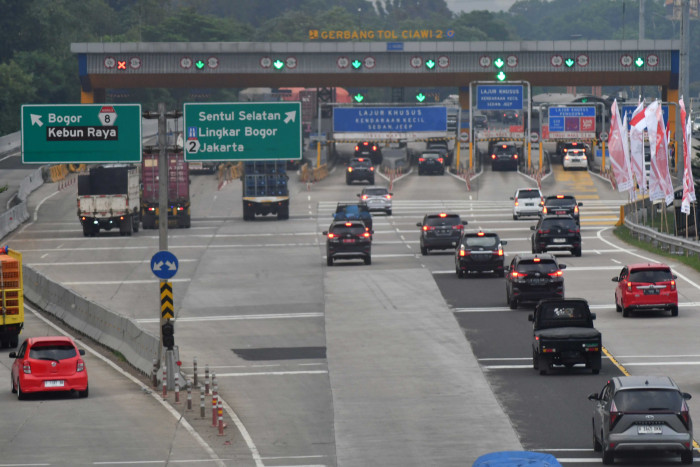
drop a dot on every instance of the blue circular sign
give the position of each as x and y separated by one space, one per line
164 265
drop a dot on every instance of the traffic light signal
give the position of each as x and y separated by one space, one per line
420 97
430 64
356 64
278 64
199 64
498 63
358 97
501 76
569 62
639 62
168 335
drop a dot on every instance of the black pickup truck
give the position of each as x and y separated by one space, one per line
563 334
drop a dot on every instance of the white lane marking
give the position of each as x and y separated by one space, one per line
101 263
178 417
275 373
236 317
132 282
592 307
616 261
575 460
44 256
570 268
294 457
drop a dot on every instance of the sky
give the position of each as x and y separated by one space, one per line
469 5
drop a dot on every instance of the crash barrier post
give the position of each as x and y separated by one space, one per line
165 381
206 379
189 396
202 407
220 410
177 387
195 371
154 373
214 400
320 172
58 172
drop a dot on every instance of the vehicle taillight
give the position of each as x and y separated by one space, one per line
516 201
331 235
420 159
388 196
517 274
574 230
357 148
515 156
557 273
629 286
575 209
364 196
614 415
440 160
544 210
499 252
371 169
349 169
685 415
457 227
566 158
493 156
80 365
565 150
541 201
543 231
151 209
374 148
673 285
366 234
463 252
428 227
27 368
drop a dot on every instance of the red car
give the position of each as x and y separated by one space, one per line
48 364
646 286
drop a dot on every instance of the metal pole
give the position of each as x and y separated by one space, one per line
684 76
471 129
641 20
458 139
529 123
318 135
162 205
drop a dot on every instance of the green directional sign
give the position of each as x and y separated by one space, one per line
569 62
430 64
237 131
81 133
199 64
356 64
639 62
420 97
358 97
501 76
499 63
278 64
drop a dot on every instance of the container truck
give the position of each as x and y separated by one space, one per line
178 191
265 189
108 198
11 297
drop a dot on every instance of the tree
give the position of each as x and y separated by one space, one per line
16 88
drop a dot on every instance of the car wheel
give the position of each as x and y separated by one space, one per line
85 393
597 447
513 303
608 458
543 365
423 251
13 390
577 252
595 371
515 217
535 361
618 308
329 261
20 394
388 212
348 182
500 273
625 312
674 310
368 260
687 457
371 181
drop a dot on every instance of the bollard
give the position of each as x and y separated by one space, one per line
206 379
214 402
221 418
195 371
165 382
177 387
154 373
214 382
202 407
189 396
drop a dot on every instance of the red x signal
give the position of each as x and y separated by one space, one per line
121 64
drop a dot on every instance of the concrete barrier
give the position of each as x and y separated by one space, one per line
118 333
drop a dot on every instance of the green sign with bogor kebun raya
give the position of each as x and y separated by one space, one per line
81 133
236 131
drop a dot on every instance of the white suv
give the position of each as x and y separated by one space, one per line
376 198
527 202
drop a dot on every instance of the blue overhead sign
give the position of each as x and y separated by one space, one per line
389 119
629 110
499 97
572 111
572 120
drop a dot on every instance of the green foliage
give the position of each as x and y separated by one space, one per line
16 88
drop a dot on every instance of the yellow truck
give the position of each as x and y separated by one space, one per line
11 297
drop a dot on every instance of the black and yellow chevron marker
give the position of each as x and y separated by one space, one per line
167 305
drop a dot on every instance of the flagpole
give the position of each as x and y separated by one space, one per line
695 218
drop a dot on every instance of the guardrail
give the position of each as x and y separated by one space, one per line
667 242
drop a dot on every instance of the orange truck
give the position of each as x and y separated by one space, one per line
11 297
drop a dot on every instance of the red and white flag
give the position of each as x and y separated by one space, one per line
619 150
688 183
660 184
637 147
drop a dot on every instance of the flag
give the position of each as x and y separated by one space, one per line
660 185
619 151
637 147
688 183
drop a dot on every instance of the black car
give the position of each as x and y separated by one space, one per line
556 233
561 205
510 116
431 163
348 240
504 155
440 231
532 277
479 252
440 146
371 150
359 169
481 122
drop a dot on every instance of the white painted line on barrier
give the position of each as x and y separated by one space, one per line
236 317
131 282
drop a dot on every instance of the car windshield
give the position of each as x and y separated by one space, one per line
447 220
650 275
430 155
365 163
375 191
352 209
560 202
355 229
52 351
528 194
569 224
529 266
487 241
648 400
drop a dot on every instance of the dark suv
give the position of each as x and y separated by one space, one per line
562 205
348 240
510 116
360 168
479 252
642 415
431 163
440 231
481 122
504 155
440 146
371 150
556 233
530 278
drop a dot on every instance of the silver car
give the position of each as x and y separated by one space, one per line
642 414
376 198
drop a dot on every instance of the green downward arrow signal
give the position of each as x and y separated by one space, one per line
358 97
501 76
430 64
199 64
569 62
356 64
420 97
278 64
499 63
639 62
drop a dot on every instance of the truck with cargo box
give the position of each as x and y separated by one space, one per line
108 197
178 191
265 189
11 297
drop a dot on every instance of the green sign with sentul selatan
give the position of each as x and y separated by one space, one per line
237 131
81 133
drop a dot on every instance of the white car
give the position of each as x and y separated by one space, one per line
376 198
527 202
696 125
575 159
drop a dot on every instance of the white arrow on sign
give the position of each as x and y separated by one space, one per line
159 265
36 120
291 116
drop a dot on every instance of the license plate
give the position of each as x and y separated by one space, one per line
559 240
651 292
536 281
54 384
348 240
560 212
529 204
649 430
